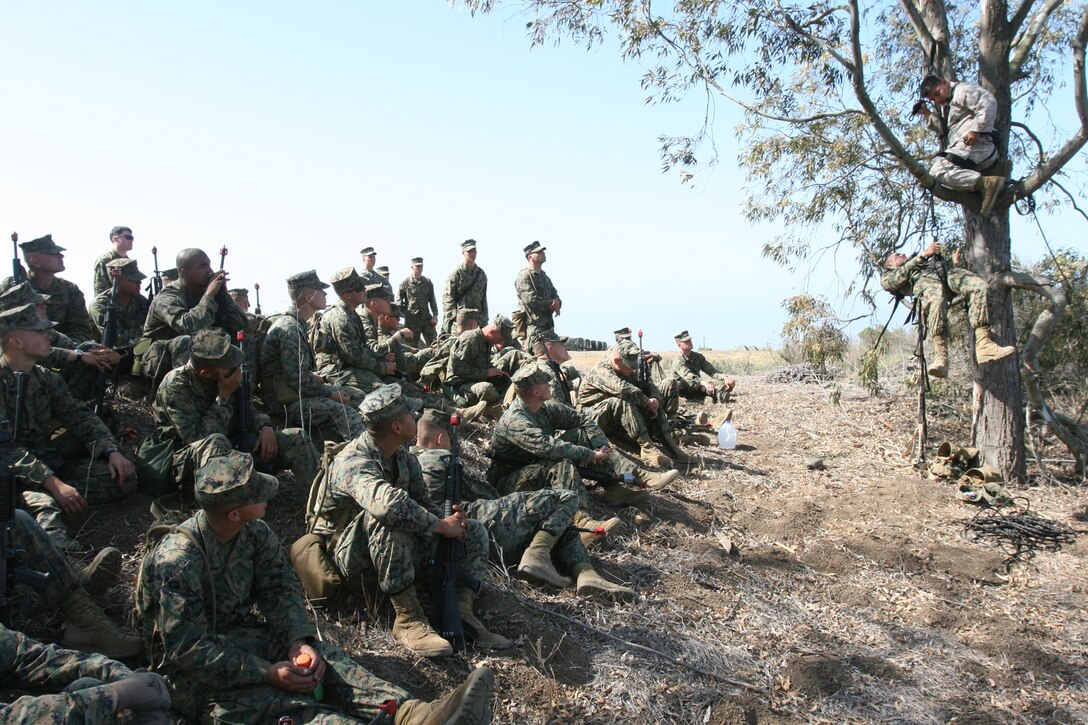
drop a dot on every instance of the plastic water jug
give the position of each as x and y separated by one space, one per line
727 435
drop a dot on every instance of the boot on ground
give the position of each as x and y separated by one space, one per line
597 530
939 367
536 563
469 704
103 571
593 585
651 455
472 412
653 480
412 630
616 495
485 639
990 187
89 629
988 351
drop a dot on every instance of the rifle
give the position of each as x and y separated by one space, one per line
257 291
243 408
18 274
448 565
657 425
154 285
222 257
12 561
109 340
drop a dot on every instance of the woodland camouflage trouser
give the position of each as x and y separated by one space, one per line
93 704
334 420
43 555
620 420
930 291
514 520
294 452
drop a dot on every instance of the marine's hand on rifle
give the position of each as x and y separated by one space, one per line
454 526
215 284
654 405
69 499
229 382
266 447
120 467
100 358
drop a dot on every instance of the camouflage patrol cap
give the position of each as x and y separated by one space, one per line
550 336
21 294
395 310
238 292
682 337
387 403
128 267
170 275
437 418
379 292
41 245
624 333
529 375
305 280
212 348
468 244
533 248
230 481
626 351
382 270
417 260
346 279
367 251
25 317
119 230
506 327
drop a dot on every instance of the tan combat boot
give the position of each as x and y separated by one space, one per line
651 455
469 704
616 494
597 530
652 480
591 584
988 351
472 412
411 629
536 563
103 571
939 367
89 629
990 187
485 639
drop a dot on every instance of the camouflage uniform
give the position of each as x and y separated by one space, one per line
378 515
38 455
216 659
189 410
531 453
173 317
616 404
27 663
465 289
288 378
466 373
511 520
130 318
921 277
535 294
102 281
419 304
343 356
66 306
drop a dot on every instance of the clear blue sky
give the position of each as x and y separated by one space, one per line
297 133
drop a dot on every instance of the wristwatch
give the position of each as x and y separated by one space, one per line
79 354
111 450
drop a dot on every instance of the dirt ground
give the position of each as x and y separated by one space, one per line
852 593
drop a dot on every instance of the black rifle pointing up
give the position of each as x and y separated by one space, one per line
448 566
154 285
18 274
243 407
12 561
109 340
257 290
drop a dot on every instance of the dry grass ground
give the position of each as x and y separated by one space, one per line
855 596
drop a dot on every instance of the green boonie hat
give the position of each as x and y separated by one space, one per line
533 248
305 280
468 244
212 348
128 267
41 245
379 291
624 333
25 317
170 275
365 251
346 279
21 294
386 403
550 336
417 260
230 481
436 417
627 351
119 230
382 270
529 375
682 337
238 292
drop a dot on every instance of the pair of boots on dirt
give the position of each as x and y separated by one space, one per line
87 627
986 351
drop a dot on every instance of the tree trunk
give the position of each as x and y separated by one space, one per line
998 419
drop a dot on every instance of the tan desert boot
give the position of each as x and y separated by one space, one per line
485 639
103 571
653 481
536 563
939 367
988 351
412 630
89 629
990 187
469 704
592 584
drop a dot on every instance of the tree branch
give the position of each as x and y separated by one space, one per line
1023 45
1019 16
800 30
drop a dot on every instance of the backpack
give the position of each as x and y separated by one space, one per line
310 555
